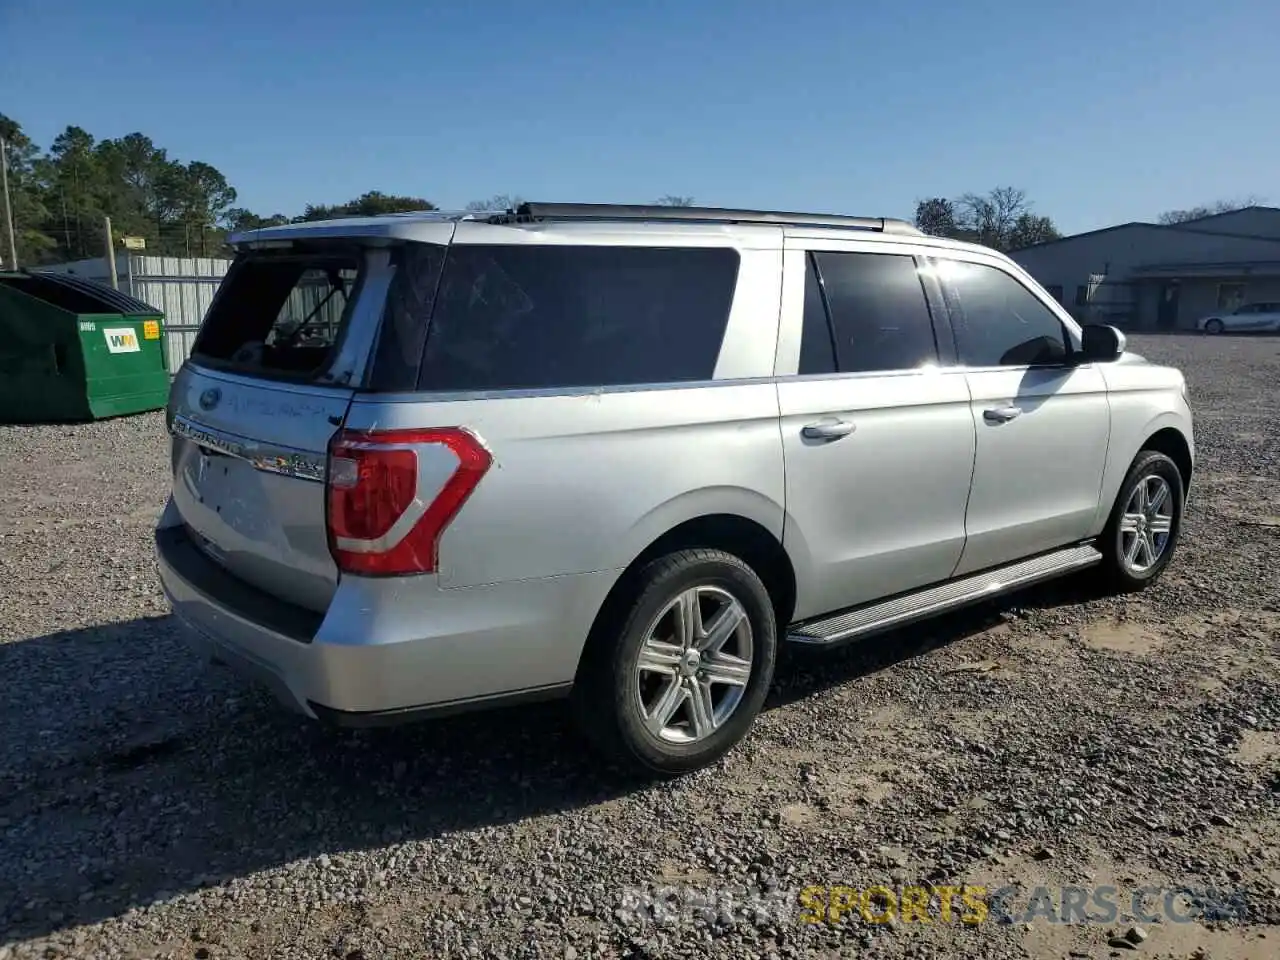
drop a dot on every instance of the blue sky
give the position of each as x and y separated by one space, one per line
1102 111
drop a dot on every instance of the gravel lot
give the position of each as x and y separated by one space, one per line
152 808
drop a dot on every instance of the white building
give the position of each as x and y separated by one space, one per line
1149 276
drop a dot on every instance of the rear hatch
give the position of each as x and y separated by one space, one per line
291 336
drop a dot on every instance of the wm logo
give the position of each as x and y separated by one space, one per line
121 340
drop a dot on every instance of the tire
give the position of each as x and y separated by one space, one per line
1126 565
1213 326
618 704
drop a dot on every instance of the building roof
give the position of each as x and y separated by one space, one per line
1227 213
1087 233
1174 227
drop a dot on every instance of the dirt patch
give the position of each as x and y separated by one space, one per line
1121 637
801 815
1259 748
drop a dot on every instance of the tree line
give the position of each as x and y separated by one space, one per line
1002 218
60 197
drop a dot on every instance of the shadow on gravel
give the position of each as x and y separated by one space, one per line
130 773
805 671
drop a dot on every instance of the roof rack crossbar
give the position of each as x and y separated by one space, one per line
541 212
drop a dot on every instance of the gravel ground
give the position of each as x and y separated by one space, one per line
152 808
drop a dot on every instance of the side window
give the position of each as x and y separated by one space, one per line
879 316
999 322
817 350
535 316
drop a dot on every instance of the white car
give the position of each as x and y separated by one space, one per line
1249 317
622 454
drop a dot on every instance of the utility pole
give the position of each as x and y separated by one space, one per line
8 203
111 254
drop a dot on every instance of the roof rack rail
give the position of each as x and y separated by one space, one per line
542 212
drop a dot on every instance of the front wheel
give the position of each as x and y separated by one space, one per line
1213 326
672 679
1145 523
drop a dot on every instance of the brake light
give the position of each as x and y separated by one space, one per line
392 493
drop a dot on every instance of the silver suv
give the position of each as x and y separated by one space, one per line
425 463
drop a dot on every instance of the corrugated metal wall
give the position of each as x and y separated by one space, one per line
180 287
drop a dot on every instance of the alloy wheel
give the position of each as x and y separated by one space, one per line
694 665
1146 526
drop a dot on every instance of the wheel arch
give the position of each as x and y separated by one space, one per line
743 536
1173 444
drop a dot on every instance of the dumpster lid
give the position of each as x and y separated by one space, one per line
111 300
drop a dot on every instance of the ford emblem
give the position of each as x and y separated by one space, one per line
209 399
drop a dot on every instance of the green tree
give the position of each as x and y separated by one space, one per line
1030 229
186 208
937 217
672 200
238 219
1002 218
74 188
143 188
203 199
371 204
27 197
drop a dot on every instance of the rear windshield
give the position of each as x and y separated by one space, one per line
281 313
544 316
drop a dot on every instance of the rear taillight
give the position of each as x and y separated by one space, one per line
392 493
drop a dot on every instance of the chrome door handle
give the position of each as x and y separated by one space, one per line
1000 414
827 430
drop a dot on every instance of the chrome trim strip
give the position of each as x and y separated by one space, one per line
267 457
947 596
458 396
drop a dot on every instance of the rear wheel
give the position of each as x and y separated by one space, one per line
1145 523
674 677
1213 326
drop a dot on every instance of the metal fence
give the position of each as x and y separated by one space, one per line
182 289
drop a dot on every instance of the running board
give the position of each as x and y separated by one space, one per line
906 608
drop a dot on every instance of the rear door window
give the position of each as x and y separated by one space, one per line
817 348
879 317
549 316
281 313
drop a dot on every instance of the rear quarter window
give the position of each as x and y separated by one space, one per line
540 317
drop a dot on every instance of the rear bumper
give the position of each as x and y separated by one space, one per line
387 650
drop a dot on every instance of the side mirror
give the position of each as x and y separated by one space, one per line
1101 343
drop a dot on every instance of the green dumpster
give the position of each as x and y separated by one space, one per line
72 349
